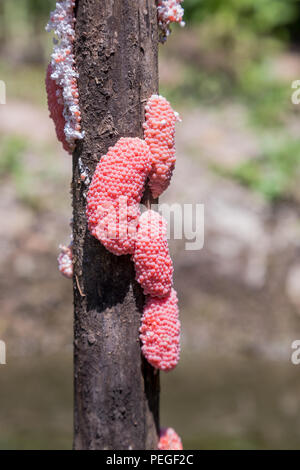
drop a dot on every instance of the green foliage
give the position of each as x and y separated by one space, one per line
229 56
23 13
22 29
197 86
40 8
11 152
257 15
24 82
273 173
267 98
12 166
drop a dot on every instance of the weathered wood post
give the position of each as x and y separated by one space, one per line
116 391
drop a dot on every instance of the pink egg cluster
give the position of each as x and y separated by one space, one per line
63 73
159 133
65 261
160 331
115 193
56 108
153 265
169 11
169 440
115 219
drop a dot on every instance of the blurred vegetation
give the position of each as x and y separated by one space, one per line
225 54
246 16
272 173
22 29
229 50
228 57
14 168
11 149
17 155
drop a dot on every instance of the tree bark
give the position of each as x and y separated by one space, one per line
116 390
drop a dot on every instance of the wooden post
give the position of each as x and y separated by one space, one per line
116 391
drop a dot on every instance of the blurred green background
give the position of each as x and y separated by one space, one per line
229 74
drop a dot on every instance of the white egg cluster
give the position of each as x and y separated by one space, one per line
63 67
169 11
65 260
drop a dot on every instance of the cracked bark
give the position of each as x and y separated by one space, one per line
116 390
